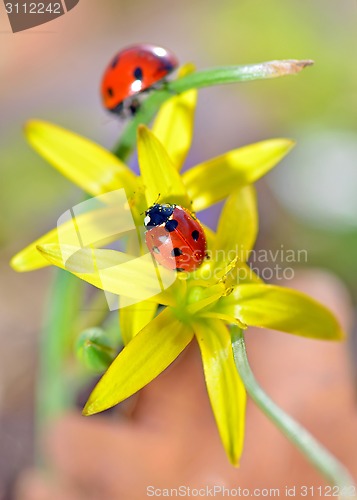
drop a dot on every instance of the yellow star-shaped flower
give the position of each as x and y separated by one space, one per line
201 304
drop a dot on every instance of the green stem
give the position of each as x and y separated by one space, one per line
54 393
94 313
200 79
335 473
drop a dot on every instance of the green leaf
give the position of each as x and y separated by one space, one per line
225 388
200 79
284 309
213 180
144 358
234 74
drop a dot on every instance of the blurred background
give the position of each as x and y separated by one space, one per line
52 72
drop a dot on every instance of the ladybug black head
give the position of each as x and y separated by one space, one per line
158 214
118 110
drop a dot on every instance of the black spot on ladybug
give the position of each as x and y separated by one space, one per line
180 269
138 73
195 234
110 92
155 249
176 252
115 61
171 225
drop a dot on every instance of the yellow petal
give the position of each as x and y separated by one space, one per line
225 388
237 226
160 178
115 272
144 358
90 166
228 273
242 274
93 222
210 236
236 273
229 320
200 298
134 318
284 309
215 179
30 258
173 125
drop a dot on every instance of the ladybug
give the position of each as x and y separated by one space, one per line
132 71
175 237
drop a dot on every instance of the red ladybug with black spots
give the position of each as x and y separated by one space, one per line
132 71
175 237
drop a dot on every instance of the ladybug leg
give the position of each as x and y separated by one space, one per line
134 106
135 103
129 108
163 85
119 110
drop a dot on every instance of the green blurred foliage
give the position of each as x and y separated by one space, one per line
33 195
323 98
252 31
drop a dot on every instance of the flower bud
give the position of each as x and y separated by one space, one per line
95 349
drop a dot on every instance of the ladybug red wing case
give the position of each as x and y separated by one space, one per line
175 238
132 71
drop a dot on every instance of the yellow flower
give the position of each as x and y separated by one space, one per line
200 304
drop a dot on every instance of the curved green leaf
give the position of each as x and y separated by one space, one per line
204 78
